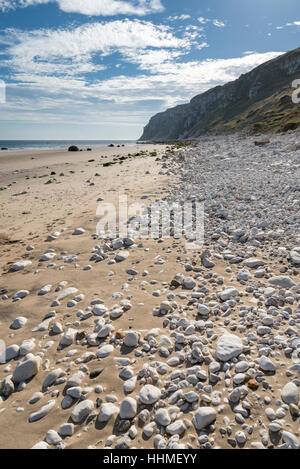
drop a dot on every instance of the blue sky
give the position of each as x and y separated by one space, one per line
99 69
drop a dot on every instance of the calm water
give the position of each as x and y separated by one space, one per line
18 145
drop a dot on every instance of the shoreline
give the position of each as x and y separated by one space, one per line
32 159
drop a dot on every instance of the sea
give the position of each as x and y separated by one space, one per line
23 145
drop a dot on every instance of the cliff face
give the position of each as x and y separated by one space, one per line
259 100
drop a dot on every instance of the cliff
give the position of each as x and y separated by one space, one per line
259 101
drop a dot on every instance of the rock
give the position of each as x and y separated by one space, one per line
68 337
240 437
266 364
162 417
26 369
99 310
128 408
78 232
42 412
121 256
206 262
176 428
7 386
188 283
105 350
66 429
73 148
282 281
11 352
67 402
290 440
75 392
52 438
43 326
253 263
46 289
52 377
228 346
149 394
57 328
203 310
75 379
243 275
82 411
228 293
20 265
126 373
107 410
290 393
253 384
148 430
295 256
67 292
131 339
20 295
130 384
275 427
41 445
27 346
18 323
48 256
37 396
204 417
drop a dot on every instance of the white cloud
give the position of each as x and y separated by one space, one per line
72 52
53 79
93 7
202 20
182 17
219 24
215 22
294 23
168 82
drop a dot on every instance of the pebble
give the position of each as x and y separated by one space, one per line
26 369
82 411
203 417
149 394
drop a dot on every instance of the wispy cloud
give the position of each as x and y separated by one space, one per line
218 24
92 7
293 23
215 22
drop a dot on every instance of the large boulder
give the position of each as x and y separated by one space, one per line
73 148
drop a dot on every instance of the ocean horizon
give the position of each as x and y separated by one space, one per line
19 145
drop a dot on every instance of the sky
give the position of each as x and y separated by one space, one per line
100 69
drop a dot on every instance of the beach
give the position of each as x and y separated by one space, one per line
140 342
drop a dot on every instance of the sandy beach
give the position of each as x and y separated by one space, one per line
31 209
